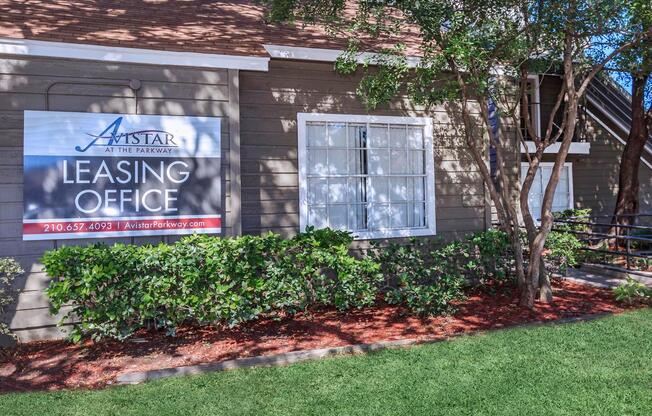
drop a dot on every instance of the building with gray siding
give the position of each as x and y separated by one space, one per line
280 171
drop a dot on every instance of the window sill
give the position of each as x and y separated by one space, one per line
373 235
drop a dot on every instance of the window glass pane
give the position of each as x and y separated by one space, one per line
357 135
398 189
337 134
337 162
415 138
357 161
337 216
560 204
317 191
416 162
538 184
317 217
545 177
415 189
378 189
316 135
378 135
398 161
357 190
397 137
358 217
378 162
317 162
399 215
379 216
562 184
417 218
337 190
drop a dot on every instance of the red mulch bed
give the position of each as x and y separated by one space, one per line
53 365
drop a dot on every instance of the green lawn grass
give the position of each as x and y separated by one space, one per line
602 367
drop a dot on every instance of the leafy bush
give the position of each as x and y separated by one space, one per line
9 270
429 278
492 256
562 250
563 244
633 291
116 290
580 218
413 279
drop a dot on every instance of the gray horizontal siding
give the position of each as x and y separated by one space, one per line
270 184
23 83
595 176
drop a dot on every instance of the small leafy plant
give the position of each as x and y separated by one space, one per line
9 270
562 250
632 291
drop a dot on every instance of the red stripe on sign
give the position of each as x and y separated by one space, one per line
135 224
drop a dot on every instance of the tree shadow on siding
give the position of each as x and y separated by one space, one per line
85 86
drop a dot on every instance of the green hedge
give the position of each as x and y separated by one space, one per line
117 290
9 270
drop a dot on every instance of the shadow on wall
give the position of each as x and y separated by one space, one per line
234 27
269 146
270 180
84 86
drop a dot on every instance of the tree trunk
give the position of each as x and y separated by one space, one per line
628 183
537 246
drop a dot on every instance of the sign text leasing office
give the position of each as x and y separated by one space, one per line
111 175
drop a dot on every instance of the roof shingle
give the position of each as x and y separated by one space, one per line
207 26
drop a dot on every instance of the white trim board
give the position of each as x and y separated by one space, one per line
537 102
426 122
28 47
577 148
326 55
613 133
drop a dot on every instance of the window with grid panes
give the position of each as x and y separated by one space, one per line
563 196
367 177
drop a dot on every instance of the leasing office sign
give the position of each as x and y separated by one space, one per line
110 175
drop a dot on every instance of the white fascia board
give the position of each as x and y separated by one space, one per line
327 55
576 148
28 47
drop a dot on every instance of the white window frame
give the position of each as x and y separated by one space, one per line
537 98
571 191
303 118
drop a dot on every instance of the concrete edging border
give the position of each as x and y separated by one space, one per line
283 359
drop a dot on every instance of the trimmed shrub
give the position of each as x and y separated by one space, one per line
116 290
429 278
415 279
9 270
